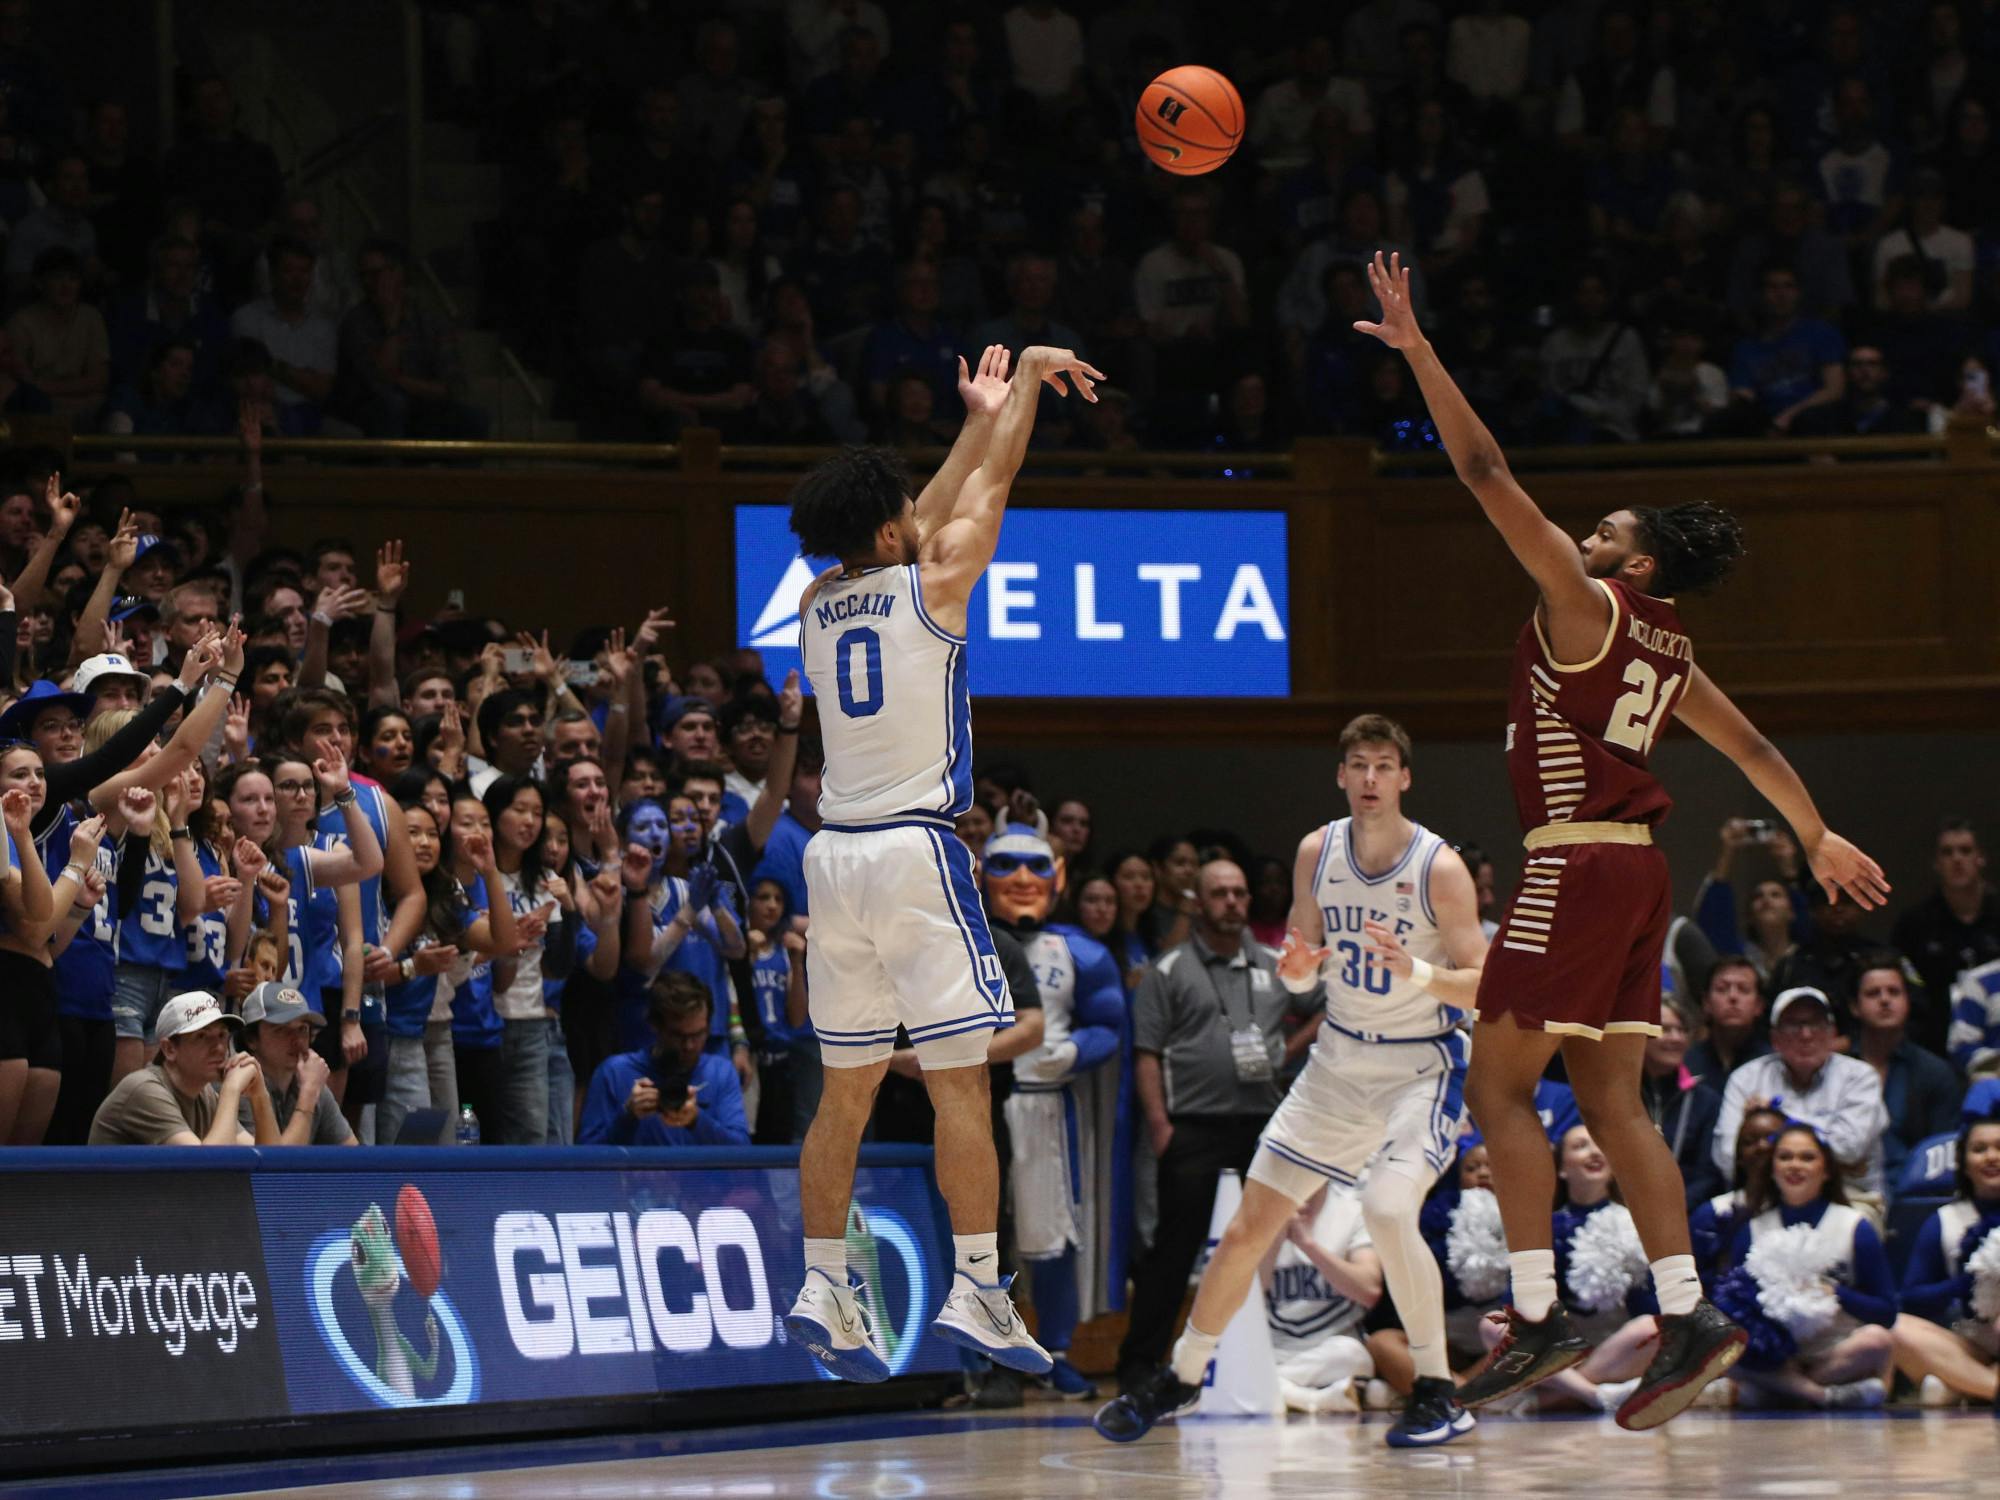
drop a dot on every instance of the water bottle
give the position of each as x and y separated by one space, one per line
468 1126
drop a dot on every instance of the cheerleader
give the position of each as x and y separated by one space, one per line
1713 1224
1601 1274
1819 1281
1949 1330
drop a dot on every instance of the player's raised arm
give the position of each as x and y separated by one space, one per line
960 550
1543 548
1836 864
984 392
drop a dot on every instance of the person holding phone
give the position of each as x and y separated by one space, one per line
674 1092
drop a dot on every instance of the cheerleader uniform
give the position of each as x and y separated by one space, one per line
1863 1284
1936 1284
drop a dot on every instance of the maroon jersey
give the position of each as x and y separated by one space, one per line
1578 737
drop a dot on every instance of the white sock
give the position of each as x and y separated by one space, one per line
828 1256
977 1257
1534 1282
1677 1284
1192 1352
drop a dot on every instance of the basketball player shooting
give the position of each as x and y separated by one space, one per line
898 933
1597 671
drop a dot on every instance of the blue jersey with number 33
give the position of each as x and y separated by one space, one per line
895 707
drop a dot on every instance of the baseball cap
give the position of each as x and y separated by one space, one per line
125 606
1798 995
107 664
191 1012
150 542
278 1004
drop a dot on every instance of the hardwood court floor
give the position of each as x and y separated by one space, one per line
1043 1457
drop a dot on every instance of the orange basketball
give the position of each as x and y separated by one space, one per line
1189 120
417 1241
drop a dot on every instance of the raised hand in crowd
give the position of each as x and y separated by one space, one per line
392 575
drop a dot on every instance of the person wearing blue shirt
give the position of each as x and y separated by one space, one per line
681 921
1791 364
672 1092
477 1032
784 854
788 1066
1848 1364
1938 1335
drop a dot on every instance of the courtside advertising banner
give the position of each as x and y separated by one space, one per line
408 1290
130 1302
1080 603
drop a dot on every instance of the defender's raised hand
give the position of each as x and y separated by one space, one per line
1390 281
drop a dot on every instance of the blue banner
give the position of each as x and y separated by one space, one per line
440 1288
1081 603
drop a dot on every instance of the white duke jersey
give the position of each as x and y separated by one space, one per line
1363 995
1300 1307
895 709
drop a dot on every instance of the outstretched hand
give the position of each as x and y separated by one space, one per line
1298 959
984 391
1390 282
1839 866
1051 365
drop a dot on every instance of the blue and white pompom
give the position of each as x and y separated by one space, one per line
1606 1259
1984 1264
1791 1270
1475 1247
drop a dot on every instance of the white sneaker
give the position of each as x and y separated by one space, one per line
983 1319
1614 1395
835 1325
1856 1395
1380 1396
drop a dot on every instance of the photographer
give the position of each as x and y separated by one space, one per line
674 1093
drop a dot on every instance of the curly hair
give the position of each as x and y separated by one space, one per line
841 504
1693 546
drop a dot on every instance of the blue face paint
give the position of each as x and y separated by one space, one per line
648 829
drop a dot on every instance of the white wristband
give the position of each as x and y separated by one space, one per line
1421 974
1300 984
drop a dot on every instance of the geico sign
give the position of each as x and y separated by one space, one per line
589 1283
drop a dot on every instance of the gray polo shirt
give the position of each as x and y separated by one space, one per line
1183 1013
329 1125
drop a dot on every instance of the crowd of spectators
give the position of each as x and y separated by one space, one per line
439 873
1628 219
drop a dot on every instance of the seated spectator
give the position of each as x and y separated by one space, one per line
1859 178
165 403
60 340
1946 253
1681 1104
1970 162
1865 409
1617 75
1282 120
774 174
1248 424
715 97
1829 956
1436 196
1475 348
1301 302
1194 301
1846 1364
399 359
1594 375
171 305
1732 1011
744 264
877 176
700 373
911 420
1791 237
937 100
961 283
846 274
1371 37
1790 365
673 1093
1486 52
18 394
625 298
657 157
1420 80
1712 1224
1938 1336
124 190
1925 348
1311 198
790 410
913 342
63 221
334 288
1320 1279
1975 1021
304 347
1031 293
1839 1096
235 179
1045 48
1919 1089
192 1091
1687 389
278 1030
1957 926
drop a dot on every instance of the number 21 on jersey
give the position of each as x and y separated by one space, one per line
1637 717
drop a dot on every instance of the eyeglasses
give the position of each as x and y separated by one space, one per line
1038 865
1805 1025
62 726
295 788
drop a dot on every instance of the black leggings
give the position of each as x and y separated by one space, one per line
87 1049
28 1012
482 1083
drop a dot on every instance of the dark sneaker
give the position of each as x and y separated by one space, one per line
1528 1355
1068 1382
996 1388
1431 1416
1160 1398
1694 1349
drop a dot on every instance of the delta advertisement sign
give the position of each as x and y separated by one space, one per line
1080 603
183 1300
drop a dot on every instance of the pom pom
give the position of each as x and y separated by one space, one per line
1605 1259
1791 1272
1984 1264
1770 1344
1476 1246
